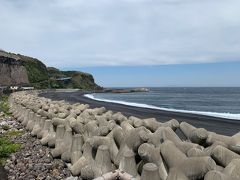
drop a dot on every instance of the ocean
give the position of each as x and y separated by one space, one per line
218 102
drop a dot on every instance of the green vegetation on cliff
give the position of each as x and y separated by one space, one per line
41 77
37 71
81 80
71 79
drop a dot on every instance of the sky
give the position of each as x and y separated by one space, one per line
129 42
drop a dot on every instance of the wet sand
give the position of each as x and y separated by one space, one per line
218 125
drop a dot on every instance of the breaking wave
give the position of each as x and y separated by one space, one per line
213 114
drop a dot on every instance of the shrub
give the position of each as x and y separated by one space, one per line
5 127
4 104
6 148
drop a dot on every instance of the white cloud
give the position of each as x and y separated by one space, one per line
124 32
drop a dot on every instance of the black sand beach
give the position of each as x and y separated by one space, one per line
218 125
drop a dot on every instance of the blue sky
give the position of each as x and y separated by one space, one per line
134 42
183 75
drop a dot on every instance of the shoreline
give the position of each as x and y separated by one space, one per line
204 113
215 124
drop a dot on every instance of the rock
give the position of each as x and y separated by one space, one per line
13 158
48 178
41 176
72 178
30 166
48 166
55 173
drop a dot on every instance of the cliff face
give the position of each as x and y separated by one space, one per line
74 79
12 72
37 72
16 69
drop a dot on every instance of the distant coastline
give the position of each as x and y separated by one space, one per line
123 90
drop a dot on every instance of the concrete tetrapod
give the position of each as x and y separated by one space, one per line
166 133
223 156
41 126
77 125
119 118
60 130
84 160
116 174
217 175
67 154
97 141
126 126
76 149
59 121
58 141
151 154
109 176
132 140
233 169
96 111
232 142
37 126
27 117
20 115
32 121
111 125
101 164
63 145
117 135
152 124
43 113
195 135
183 167
102 120
90 129
136 122
195 152
231 172
128 164
48 134
150 171
102 131
45 128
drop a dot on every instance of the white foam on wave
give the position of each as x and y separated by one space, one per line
213 114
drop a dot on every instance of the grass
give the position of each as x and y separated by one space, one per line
4 105
11 134
6 145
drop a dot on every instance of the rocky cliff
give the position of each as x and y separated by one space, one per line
12 71
16 69
71 79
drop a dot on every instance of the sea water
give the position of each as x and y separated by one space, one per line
217 102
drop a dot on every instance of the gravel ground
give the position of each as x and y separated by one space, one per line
33 161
